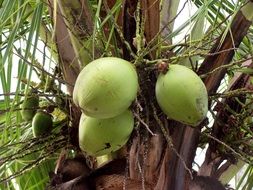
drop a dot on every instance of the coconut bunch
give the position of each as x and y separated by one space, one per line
105 89
41 120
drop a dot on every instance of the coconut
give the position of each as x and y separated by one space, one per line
98 137
42 123
29 107
182 95
106 87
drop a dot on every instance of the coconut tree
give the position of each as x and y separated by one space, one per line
45 44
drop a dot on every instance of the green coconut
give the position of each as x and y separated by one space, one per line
182 95
98 137
29 107
42 123
106 87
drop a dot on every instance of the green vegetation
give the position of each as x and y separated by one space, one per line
153 82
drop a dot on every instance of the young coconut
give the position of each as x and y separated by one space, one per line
182 95
106 87
98 137
42 123
29 107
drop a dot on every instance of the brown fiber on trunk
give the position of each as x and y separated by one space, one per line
129 27
151 9
211 165
68 64
67 58
234 36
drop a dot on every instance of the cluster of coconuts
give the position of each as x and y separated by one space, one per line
105 89
41 121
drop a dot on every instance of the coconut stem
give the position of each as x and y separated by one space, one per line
162 67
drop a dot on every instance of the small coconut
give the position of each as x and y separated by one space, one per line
42 123
98 137
182 95
106 87
29 107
